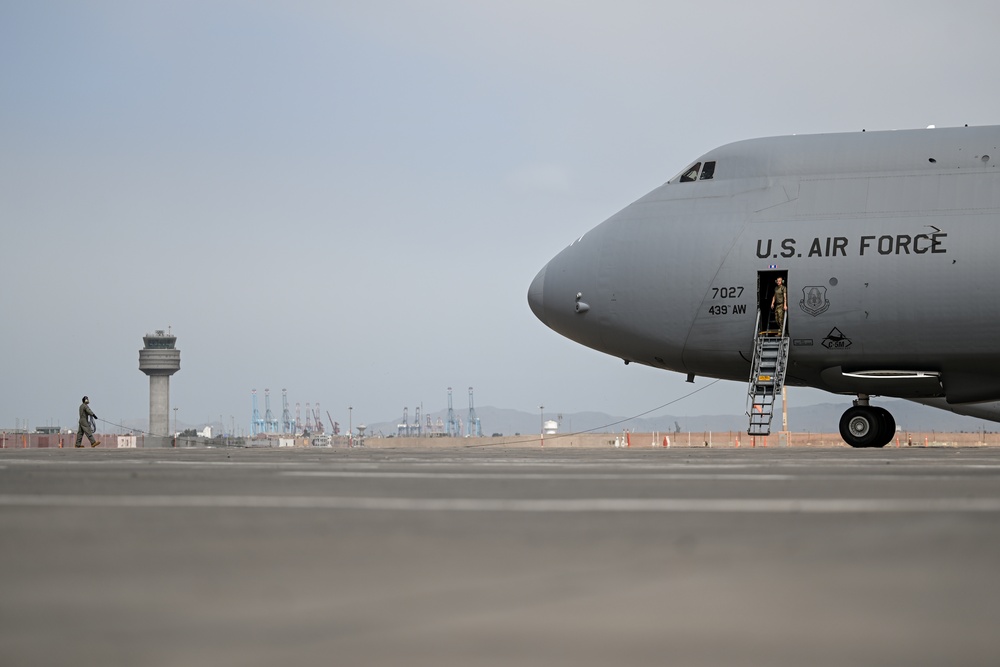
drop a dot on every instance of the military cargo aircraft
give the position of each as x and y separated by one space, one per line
887 244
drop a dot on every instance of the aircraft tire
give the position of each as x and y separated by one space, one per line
888 426
861 426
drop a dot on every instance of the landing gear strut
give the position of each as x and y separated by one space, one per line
865 425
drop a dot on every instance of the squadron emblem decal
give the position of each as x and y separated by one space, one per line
836 340
814 301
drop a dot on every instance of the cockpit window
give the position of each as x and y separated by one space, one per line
691 174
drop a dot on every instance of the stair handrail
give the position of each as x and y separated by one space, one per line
754 362
756 351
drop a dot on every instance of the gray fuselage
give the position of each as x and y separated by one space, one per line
887 241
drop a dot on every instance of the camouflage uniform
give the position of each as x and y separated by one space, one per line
85 414
780 296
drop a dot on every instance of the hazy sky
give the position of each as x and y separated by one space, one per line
350 199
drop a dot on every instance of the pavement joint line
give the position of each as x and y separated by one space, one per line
535 476
349 469
638 476
662 505
617 463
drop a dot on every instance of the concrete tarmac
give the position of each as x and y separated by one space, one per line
706 557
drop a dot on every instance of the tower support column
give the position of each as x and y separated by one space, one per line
159 404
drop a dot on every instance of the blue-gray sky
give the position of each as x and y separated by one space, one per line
349 199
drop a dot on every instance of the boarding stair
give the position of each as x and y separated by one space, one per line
767 375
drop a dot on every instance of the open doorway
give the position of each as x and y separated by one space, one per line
766 282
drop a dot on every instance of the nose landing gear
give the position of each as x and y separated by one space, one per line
865 425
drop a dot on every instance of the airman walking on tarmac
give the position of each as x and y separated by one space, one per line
86 426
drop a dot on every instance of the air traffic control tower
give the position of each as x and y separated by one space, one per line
159 359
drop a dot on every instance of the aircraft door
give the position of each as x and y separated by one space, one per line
766 284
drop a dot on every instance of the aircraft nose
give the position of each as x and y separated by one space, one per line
535 295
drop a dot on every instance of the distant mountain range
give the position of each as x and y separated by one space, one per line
820 418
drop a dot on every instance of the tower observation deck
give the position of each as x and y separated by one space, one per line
159 359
